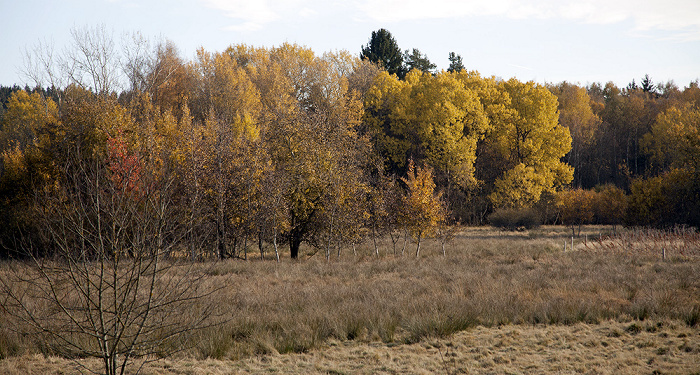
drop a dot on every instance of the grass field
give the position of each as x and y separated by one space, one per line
498 302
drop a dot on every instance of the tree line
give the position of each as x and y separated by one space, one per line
252 146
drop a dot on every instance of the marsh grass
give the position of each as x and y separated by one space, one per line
488 278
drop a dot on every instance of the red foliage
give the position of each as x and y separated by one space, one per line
125 167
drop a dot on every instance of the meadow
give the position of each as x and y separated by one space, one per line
625 301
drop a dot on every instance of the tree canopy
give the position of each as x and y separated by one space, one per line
285 146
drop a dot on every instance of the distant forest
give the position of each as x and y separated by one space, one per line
282 146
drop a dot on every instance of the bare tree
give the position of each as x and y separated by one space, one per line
41 66
108 285
91 62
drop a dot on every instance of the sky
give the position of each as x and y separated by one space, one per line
579 41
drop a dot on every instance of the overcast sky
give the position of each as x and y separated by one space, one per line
578 41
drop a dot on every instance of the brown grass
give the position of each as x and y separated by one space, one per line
610 347
489 283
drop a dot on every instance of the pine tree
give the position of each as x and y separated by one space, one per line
383 50
456 64
418 60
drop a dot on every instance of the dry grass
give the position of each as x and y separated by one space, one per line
558 307
610 347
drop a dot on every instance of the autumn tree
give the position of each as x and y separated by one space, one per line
26 164
384 206
432 119
627 116
309 127
530 143
156 68
25 117
489 164
674 139
575 113
103 268
228 112
423 209
383 50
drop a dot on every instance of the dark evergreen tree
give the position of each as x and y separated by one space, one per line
383 50
417 60
456 64
648 85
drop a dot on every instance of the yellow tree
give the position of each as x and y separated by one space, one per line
24 118
423 209
433 119
309 126
228 109
576 114
25 162
531 143
674 139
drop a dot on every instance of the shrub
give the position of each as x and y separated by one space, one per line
666 200
515 219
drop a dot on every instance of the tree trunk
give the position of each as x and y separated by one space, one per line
260 245
221 245
418 246
393 242
374 240
245 247
294 243
405 239
274 242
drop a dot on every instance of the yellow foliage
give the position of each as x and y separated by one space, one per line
531 141
423 209
576 206
434 118
13 164
674 140
25 116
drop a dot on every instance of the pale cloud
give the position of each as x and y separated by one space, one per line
252 15
679 16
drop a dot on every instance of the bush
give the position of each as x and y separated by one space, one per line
664 201
515 219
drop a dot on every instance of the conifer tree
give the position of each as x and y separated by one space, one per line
383 50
